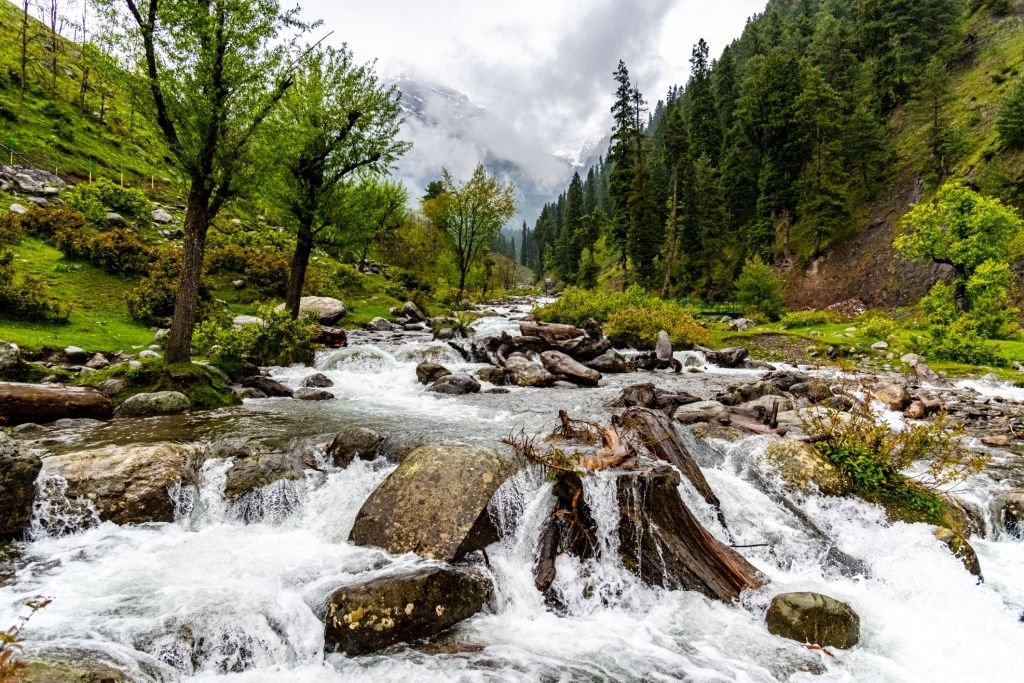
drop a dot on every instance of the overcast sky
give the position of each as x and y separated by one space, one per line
544 66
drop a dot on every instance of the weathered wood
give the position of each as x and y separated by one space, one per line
665 544
551 332
564 367
41 403
648 396
732 357
657 433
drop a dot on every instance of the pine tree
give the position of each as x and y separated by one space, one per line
702 115
622 158
1011 116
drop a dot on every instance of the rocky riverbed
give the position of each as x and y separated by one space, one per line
215 545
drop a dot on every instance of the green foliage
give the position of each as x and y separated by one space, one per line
877 326
874 457
46 223
10 229
1010 122
264 267
988 297
758 289
26 298
638 326
118 251
631 318
205 386
151 302
279 341
798 319
960 342
95 199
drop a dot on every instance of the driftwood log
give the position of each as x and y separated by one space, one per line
564 367
41 403
647 395
750 421
655 430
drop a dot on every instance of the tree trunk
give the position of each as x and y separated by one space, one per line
297 274
43 403
186 301
672 236
462 284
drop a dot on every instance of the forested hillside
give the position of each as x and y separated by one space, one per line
802 144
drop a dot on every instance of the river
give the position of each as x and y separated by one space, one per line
212 597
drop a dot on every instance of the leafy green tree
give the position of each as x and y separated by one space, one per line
471 214
339 120
365 213
758 289
961 229
214 72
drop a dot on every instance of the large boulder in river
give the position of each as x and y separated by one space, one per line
259 470
268 386
412 312
18 474
355 442
732 357
804 469
428 372
410 606
70 667
609 363
457 384
41 403
813 618
435 503
523 372
328 311
156 403
128 484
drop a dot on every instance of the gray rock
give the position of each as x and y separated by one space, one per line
741 324
75 354
663 346
1009 509
328 310
413 312
112 387
98 362
435 503
116 219
732 357
162 217
312 394
610 362
318 380
813 618
18 474
38 201
10 358
911 359
149 353
355 442
255 471
156 403
19 209
880 346
806 470
491 375
524 372
127 484
242 320
249 392
238 284
814 391
406 607
456 384
379 324
428 372
267 386
960 548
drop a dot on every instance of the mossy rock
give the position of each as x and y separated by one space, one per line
803 468
813 618
421 603
205 386
960 548
58 671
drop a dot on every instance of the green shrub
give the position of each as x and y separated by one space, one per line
878 327
1010 120
873 456
411 282
279 341
26 298
638 326
45 223
266 268
988 291
118 251
151 302
10 229
797 319
576 306
96 198
758 290
960 342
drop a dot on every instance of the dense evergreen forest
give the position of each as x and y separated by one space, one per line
779 148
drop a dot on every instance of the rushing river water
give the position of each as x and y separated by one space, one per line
213 598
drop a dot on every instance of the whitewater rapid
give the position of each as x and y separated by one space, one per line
233 592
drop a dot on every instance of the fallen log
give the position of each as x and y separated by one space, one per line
39 403
732 357
551 332
657 433
564 367
649 396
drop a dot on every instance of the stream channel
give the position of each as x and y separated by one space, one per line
213 597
